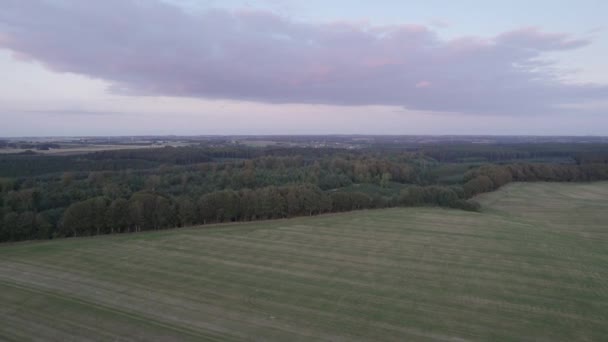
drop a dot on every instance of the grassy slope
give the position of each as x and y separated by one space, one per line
532 266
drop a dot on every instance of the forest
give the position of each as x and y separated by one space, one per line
45 197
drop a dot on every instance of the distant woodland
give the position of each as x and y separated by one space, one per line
44 197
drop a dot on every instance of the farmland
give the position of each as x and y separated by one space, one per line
530 266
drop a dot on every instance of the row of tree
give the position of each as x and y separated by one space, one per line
491 177
581 153
149 210
153 211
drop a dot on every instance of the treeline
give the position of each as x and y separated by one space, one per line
592 158
33 164
165 155
153 211
44 206
28 145
60 190
491 177
511 152
28 164
126 191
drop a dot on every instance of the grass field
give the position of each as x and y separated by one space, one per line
532 266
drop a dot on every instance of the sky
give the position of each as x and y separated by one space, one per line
187 67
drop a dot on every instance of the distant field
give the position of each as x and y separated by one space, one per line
532 266
82 149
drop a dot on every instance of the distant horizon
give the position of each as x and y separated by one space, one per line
305 135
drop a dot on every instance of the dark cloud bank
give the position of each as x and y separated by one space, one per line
154 48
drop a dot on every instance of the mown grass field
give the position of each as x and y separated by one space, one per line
532 266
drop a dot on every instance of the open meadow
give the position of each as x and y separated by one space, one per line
532 265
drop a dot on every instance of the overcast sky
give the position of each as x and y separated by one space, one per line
130 67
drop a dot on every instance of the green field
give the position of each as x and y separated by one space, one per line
533 265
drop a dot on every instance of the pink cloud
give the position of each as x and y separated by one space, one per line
4 39
423 84
534 38
155 48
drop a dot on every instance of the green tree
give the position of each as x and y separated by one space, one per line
118 216
187 212
385 180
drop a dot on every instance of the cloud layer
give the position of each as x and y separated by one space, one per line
154 48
